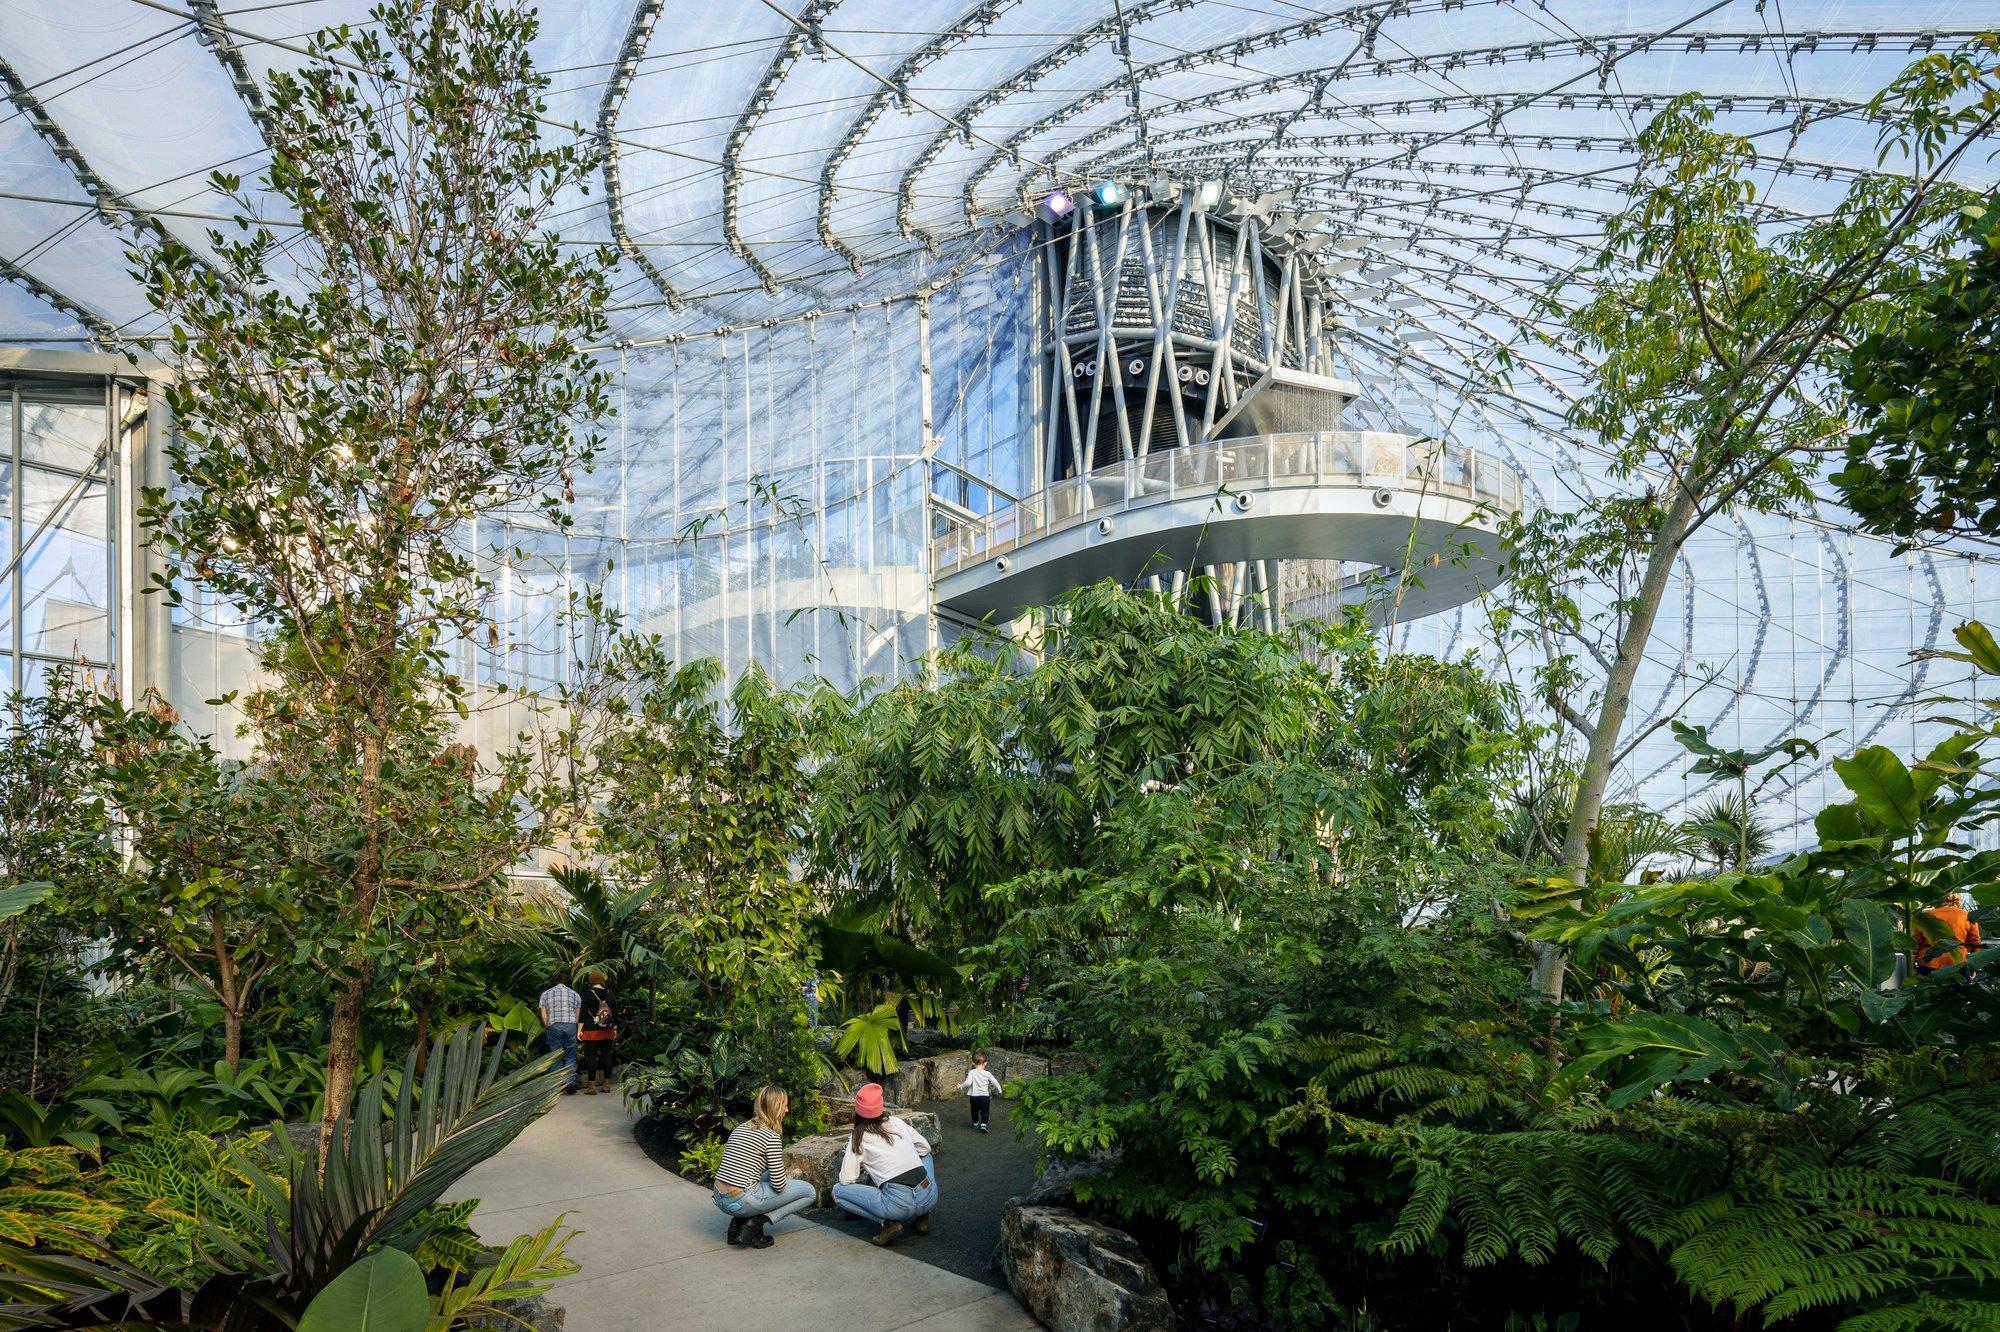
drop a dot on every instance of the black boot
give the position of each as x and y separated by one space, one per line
922 1225
754 1236
736 1230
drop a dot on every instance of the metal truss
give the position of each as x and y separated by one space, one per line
1020 81
798 38
972 23
114 208
102 330
645 14
215 34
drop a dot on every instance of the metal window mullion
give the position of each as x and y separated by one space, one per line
17 554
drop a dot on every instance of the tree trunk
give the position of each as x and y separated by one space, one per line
344 1035
424 1007
1598 761
226 990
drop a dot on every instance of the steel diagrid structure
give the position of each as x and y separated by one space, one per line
848 321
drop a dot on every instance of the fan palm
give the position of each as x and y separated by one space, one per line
1727 834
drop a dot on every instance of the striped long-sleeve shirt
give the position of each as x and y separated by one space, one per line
752 1149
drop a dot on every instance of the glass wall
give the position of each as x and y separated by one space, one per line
60 591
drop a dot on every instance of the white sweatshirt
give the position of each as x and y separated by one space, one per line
980 1082
886 1158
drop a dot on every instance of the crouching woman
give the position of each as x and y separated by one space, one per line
901 1183
751 1187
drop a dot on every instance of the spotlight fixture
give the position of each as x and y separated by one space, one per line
1056 206
1112 194
1208 195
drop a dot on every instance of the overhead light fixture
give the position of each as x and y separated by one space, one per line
1207 195
1056 206
1112 194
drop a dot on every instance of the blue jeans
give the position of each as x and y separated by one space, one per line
890 1202
562 1041
760 1199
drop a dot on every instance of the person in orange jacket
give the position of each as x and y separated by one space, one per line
1953 918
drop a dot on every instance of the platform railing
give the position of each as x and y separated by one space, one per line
1367 459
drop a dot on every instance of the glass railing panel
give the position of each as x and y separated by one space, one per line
1156 473
1291 456
1195 469
1391 459
1243 460
1455 471
1342 455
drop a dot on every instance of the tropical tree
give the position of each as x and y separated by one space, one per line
1924 462
56 842
1715 339
206 899
350 398
703 808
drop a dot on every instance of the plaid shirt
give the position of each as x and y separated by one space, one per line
561 1004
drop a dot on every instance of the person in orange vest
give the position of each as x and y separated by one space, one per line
1953 918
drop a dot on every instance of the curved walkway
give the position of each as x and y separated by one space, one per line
653 1255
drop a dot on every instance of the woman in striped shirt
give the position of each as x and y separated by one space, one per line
751 1187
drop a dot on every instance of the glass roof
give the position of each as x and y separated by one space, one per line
779 158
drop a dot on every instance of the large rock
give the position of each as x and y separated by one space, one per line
947 1071
1077 1275
841 1114
816 1160
1024 1068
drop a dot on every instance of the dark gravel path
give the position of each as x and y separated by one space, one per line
977 1174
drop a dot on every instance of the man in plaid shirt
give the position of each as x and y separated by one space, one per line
560 1007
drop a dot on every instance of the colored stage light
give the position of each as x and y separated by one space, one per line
1111 194
1056 206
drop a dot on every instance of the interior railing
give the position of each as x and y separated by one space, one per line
1307 460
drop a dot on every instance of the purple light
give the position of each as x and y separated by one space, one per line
1058 204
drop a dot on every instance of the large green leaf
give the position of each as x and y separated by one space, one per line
1980 648
1882 785
15 900
1871 941
384 1292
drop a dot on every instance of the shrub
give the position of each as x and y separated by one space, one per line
701 1159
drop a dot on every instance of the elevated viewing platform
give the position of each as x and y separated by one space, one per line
1371 498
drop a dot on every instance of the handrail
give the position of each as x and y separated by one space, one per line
1303 460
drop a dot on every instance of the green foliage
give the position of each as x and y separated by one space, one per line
349 399
383 1292
700 1159
870 1039
55 843
1923 463
702 1081
44 1200
275 1235
528 1265
704 807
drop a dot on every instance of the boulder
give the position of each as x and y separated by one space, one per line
1069 1061
1024 1068
924 1122
1078 1275
947 1071
816 1160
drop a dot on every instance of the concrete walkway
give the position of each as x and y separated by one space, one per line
654 1259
